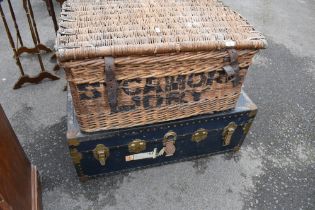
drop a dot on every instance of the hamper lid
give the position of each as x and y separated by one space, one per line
98 28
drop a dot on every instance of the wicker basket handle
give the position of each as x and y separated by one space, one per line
111 83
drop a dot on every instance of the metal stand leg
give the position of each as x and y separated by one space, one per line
18 62
51 11
23 49
24 78
15 23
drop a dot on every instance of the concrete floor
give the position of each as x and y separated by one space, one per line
274 170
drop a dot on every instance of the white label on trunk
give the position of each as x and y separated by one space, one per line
145 155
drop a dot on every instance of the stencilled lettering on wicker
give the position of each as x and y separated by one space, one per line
156 92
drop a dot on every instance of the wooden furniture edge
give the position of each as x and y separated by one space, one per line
36 189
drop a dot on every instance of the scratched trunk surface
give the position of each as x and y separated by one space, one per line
113 151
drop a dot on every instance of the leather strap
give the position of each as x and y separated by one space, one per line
233 69
233 55
111 83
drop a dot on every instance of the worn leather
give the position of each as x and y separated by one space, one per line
111 83
233 69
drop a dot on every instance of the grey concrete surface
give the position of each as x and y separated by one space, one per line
274 170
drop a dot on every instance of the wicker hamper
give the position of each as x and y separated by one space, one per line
135 62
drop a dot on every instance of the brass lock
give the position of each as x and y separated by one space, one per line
200 135
228 133
101 153
137 146
169 143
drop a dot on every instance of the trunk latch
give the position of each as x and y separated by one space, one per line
228 133
137 146
169 143
101 153
199 135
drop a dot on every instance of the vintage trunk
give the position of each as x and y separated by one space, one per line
107 152
131 63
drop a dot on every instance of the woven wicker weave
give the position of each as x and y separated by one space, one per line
176 46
